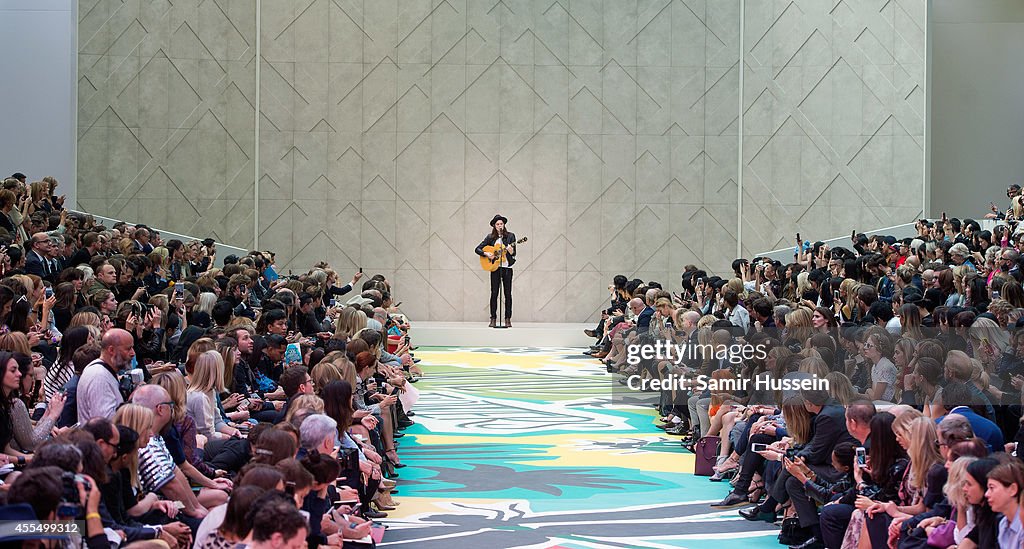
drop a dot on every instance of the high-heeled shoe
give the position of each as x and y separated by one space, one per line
393 459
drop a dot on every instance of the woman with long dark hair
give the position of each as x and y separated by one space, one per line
66 304
502 276
338 397
887 464
986 522
62 370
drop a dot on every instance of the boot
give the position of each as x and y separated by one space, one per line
492 323
508 322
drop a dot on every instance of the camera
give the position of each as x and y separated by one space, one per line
128 381
71 504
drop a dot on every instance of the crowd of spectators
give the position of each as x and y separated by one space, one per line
913 440
170 398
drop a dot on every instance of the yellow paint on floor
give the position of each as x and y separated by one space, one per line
572 451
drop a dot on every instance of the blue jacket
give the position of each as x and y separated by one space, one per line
643 320
983 428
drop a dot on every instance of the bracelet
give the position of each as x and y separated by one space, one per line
91 516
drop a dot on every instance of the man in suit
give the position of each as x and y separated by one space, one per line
36 260
141 241
644 313
956 399
836 517
54 259
828 428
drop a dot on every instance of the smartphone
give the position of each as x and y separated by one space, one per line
334 302
861 457
798 237
360 269
48 293
758 447
179 291
853 233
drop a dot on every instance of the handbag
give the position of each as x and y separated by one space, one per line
706 451
942 535
791 533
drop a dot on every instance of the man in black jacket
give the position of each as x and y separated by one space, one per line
502 276
828 428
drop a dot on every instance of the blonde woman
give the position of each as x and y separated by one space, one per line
197 348
840 388
304 402
327 371
86 318
815 366
350 321
799 325
174 384
139 419
848 293
922 484
206 383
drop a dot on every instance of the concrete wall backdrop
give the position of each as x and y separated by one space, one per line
977 119
607 131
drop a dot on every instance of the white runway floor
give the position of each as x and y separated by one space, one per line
521 334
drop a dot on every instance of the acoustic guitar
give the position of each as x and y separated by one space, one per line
492 265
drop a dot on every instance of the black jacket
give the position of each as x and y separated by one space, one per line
828 429
488 240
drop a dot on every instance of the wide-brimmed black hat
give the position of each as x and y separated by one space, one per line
499 217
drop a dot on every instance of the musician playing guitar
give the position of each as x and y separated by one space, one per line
502 276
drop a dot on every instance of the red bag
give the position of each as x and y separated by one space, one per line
707 456
393 343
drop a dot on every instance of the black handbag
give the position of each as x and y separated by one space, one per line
791 533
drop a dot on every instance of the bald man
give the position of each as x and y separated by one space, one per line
36 259
644 313
167 445
98 392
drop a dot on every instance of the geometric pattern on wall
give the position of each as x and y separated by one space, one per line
834 118
166 117
606 130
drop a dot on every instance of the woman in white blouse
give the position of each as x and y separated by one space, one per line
206 383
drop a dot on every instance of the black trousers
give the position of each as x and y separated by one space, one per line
502 278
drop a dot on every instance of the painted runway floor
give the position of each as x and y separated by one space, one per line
527 448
